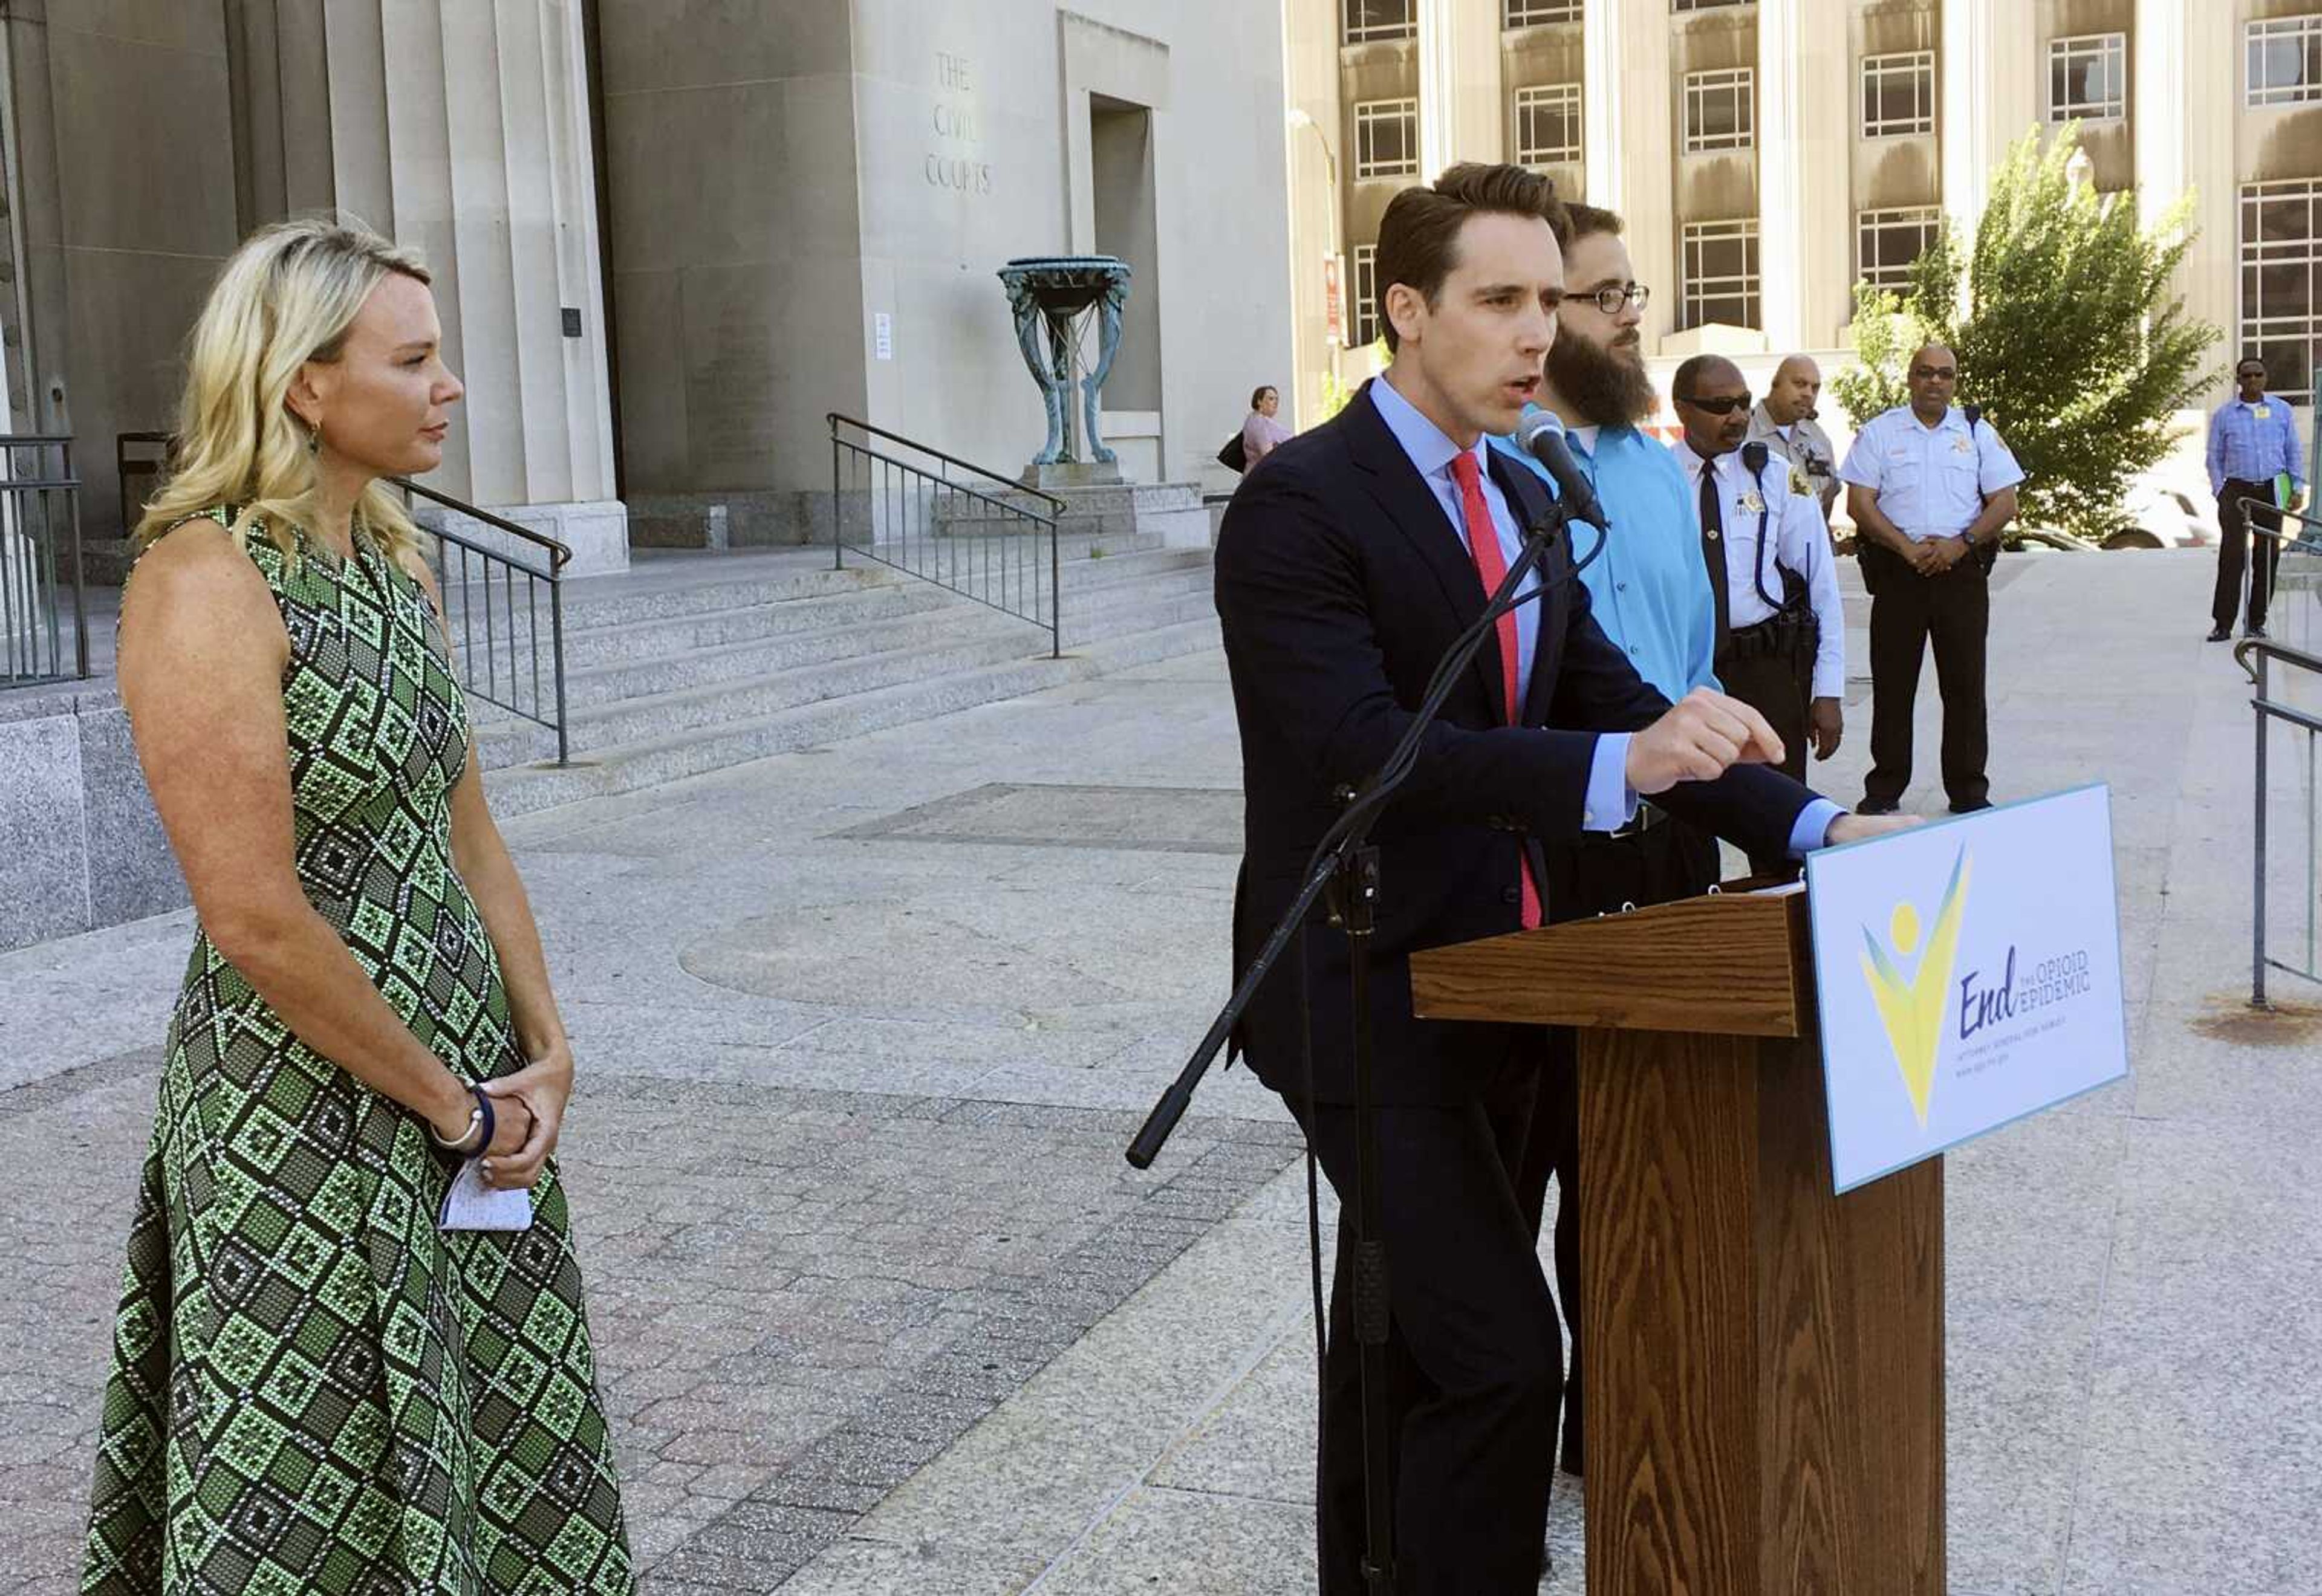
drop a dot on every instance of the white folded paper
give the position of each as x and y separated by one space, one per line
469 1204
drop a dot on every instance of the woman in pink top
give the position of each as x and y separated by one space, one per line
1261 431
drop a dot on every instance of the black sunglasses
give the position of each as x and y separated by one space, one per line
1724 406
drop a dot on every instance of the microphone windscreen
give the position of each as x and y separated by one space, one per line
1753 456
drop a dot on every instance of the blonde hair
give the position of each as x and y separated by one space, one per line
288 296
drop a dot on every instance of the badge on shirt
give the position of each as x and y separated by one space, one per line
1751 504
1800 483
2261 411
1962 444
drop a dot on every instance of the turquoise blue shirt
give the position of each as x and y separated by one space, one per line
1649 588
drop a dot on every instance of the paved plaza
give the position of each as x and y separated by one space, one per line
863 1030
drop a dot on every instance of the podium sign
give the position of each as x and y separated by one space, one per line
1968 974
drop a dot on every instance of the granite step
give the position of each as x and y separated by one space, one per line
671 756
630 641
642 659
708 704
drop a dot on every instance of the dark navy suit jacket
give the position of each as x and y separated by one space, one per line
1339 584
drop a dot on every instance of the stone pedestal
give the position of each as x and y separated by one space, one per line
1063 477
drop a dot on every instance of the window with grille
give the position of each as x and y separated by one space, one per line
1898 94
2282 283
1533 13
1387 139
1363 306
1362 20
1548 124
1720 109
1702 4
1720 272
2088 78
2283 58
1887 242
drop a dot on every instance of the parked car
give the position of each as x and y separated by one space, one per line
2164 518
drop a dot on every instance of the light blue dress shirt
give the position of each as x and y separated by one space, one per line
1648 588
1931 480
1608 804
2247 447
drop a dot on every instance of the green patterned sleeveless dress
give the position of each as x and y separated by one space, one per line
314 1390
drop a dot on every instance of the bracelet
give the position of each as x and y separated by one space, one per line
479 1133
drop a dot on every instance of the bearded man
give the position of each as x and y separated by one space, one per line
1649 589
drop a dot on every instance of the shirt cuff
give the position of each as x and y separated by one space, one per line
1608 805
1813 828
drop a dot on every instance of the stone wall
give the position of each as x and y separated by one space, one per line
83 846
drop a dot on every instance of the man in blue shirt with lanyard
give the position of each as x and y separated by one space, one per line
1650 594
2252 441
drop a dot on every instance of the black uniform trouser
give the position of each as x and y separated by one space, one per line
1777 682
1595 875
1474 1374
1908 611
2233 552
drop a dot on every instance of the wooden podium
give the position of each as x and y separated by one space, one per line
1762 1361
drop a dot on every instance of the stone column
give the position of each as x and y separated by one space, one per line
1989 79
460 127
2183 93
1806 103
1461 114
1626 108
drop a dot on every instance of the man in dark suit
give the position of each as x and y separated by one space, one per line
1345 567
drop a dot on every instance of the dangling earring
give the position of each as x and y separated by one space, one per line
314 439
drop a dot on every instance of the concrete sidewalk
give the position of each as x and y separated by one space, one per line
2131 1279
863 1030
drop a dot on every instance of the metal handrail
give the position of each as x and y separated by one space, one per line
2265 709
28 575
560 554
836 418
903 501
508 641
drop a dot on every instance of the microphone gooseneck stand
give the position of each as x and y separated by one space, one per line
1345 864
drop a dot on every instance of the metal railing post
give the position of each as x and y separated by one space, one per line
1056 596
2257 849
838 542
556 638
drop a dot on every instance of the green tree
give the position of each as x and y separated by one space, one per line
2067 334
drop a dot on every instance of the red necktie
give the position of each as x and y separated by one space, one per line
1492 569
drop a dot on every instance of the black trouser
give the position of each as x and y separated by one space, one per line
1473 1368
1907 611
1769 667
2233 552
1595 875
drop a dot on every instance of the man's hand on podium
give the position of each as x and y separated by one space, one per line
1856 828
1703 734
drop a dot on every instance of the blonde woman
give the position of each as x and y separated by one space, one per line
313 1387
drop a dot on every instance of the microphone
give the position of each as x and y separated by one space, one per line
1541 435
1753 457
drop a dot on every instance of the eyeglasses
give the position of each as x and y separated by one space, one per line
1724 405
1610 297
1926 373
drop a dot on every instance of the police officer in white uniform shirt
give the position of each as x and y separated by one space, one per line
1781 631
1931 488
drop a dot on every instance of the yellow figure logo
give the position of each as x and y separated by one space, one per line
1912 1006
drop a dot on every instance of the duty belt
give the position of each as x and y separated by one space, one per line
1783 633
